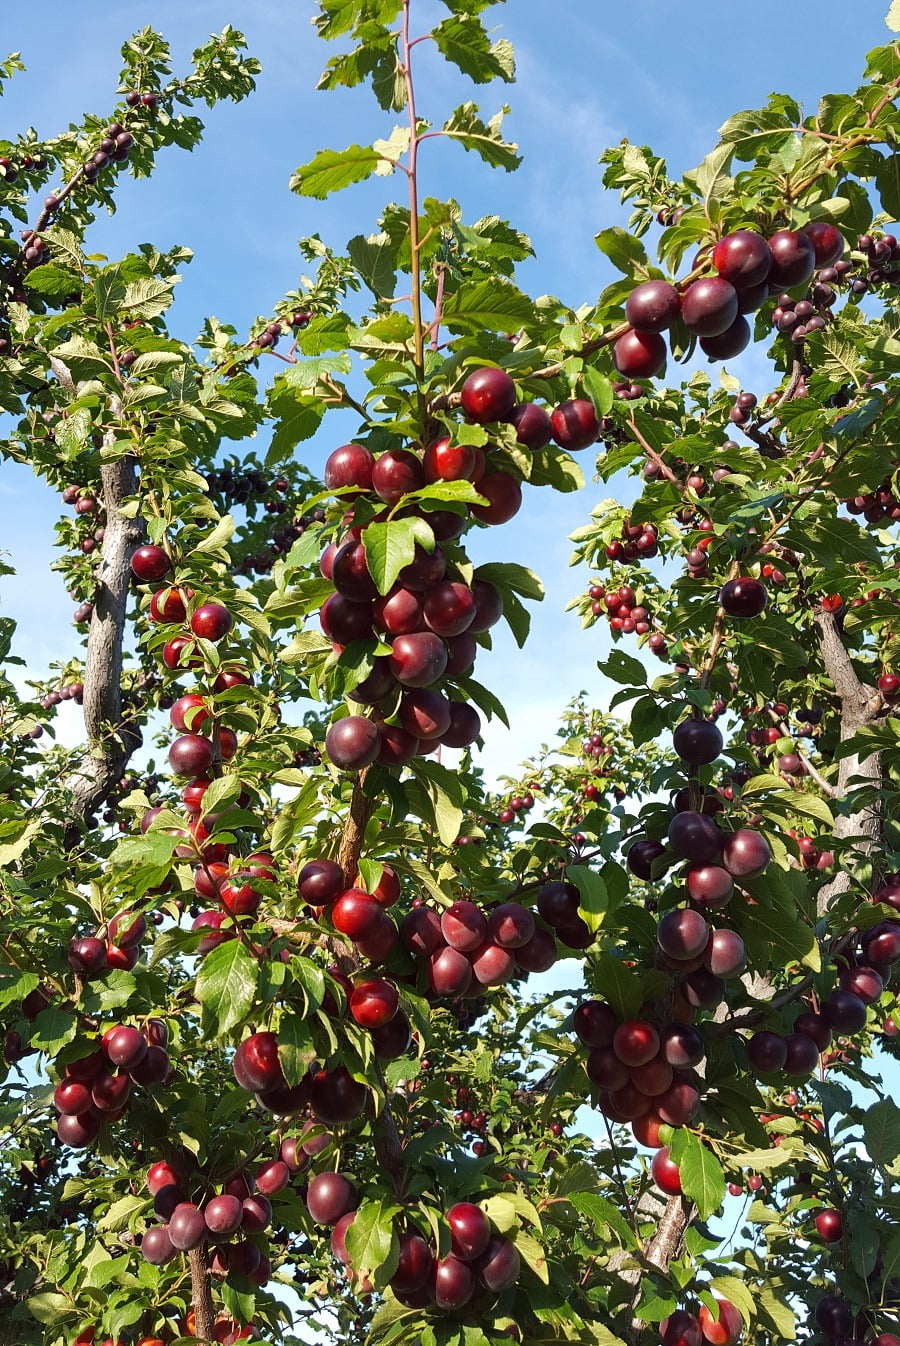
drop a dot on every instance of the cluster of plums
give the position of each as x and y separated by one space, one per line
35 249
467 949
331 1096
722 1328
70 691
96 1087
878 506
429 618
359 916
113 148
513 806
90 955
642 1072
233 884
625 614
749 268
268 337
478 1258
638 540
882 255
229 1220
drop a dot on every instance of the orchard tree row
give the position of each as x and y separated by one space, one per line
280 1060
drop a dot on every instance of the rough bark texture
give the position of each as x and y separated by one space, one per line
354 833
111 737
863 826
201 1294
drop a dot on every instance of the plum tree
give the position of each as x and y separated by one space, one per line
289 986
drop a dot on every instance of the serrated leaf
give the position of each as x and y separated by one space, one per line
494 305
149 298
50 1308
737 1293
881 1131
463 40
372 1241
594 903
604 1215
702 1176
375 259
391 546
625 669
483 138
331 170
297 418
296 1047
532 1254
220 536
120 1212
226 986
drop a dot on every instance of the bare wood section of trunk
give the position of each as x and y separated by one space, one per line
201 1294
112 738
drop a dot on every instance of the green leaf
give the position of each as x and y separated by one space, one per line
494 305
625 989
226 986
702 1177
594 902
120 1212
624 250
220 536
149 298
391 546
109 291
296 1047
483 138
532 1254
780 1314
463 40
14 850
624 668
375 259
604 1215
297 418
50 1308
881 1131
737 1293
372 1241
332 170
510 575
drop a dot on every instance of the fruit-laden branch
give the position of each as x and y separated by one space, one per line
112 738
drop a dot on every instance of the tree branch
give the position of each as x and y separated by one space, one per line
107 752
201 1294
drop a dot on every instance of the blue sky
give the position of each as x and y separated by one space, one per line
590 74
